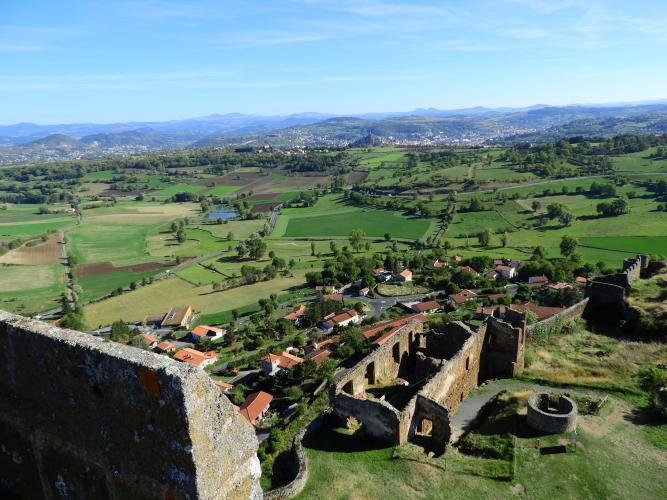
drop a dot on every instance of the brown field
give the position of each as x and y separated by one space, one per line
239 178
263 196
263 207
356 177
102 268
49 252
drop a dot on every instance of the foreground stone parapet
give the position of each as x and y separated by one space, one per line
85 418
552 421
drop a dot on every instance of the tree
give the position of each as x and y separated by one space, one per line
566 218
256 248
180 236
539 253
484 237
230 236
333 247
120 332
536 205
241 249
312 249
503 239
387 236
356 239
568 245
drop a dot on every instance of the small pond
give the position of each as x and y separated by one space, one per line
223 213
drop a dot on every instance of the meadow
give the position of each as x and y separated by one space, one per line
331 218
174 292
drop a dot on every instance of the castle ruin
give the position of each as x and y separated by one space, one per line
412 384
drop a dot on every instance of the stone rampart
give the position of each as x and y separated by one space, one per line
84 418
553 421
574 311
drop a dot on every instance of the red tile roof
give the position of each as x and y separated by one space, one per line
327 343
542 312
344 315
254 405
406 273
468 269
202 330
538 279
372 331
428 306
194 357
319 356
438 264
463 296
149 339
386 336
284 359
296 313
166 346
224 386
581 279
338 297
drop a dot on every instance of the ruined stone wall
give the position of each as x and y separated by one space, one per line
85 418
605 300
459 374
574 311
383 363
380 419
504 347
438 414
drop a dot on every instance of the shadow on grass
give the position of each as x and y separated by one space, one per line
553 450
329 437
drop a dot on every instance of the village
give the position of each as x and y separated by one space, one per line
351 320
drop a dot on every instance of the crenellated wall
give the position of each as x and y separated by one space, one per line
84 418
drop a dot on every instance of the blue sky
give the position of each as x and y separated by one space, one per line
120 60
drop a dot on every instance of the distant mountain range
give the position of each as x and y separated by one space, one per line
27 142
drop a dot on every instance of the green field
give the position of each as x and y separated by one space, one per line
653 245
373 222
30 289
221 190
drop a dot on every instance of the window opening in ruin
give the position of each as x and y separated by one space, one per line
370 373
461 397
349 388
396 352
468 363
425 427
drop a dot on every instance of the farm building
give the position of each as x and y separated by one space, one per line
178 317
256 406
463 296
196 358
507 272
203 332
405 276
426 307
343 318
295 315
273 363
